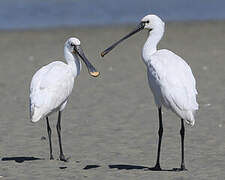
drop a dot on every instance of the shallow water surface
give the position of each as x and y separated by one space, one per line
22 14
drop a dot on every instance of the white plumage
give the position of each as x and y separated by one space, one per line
52 85
173 84
170 79
50 89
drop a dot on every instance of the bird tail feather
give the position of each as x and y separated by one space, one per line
35 114
189 117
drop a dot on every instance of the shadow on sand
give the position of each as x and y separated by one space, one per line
20 159
91 167
126 167
130 167
136 167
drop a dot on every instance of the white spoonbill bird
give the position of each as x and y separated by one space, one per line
52 85
170 79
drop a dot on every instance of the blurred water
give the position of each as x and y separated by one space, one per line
20 14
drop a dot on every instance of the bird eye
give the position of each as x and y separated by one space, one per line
71 44
146 22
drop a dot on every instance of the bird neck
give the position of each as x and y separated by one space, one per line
72 61
150 46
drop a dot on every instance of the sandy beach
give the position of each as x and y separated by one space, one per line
109 128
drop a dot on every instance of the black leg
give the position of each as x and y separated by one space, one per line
182 134
49 137
160 133
58 126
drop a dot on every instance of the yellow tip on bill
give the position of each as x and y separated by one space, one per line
95 74
103 54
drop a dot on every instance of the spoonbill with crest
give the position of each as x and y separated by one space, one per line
170 79
52 85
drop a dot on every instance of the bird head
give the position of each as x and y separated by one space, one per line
74 46
151 22
71 43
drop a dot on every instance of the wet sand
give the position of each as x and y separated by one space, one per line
109 128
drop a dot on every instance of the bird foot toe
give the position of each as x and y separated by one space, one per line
156 168
62 158
180 169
